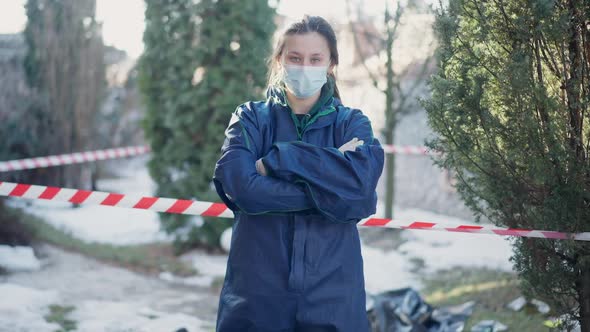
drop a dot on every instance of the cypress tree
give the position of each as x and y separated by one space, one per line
200 61
510 107
65 65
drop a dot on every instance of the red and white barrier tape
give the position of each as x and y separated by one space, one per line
408 150
182 206
88 156
72 158
474 229
168 205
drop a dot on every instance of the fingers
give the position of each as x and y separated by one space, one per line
355 142
352 142
351 145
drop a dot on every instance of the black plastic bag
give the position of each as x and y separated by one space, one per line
403 310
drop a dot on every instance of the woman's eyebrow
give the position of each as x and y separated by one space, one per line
297 53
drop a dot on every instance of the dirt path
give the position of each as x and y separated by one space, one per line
78 279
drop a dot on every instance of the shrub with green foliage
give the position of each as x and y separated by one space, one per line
510 107
201 60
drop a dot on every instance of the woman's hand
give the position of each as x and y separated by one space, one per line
260 167
351 145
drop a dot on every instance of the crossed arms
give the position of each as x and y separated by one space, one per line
338 183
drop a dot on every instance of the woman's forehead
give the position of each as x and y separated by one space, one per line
310 43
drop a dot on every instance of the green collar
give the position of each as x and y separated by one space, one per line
323 105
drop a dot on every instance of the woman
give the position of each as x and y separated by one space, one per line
299 170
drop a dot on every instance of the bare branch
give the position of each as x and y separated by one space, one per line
358 48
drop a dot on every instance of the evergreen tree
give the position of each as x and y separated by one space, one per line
510 106
200 61
22 112
65 65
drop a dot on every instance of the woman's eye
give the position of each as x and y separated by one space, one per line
294 59
315 60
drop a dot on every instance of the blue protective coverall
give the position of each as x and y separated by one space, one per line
295 261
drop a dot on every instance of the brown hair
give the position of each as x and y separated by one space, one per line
306 25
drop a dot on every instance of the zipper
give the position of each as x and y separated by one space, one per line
300 134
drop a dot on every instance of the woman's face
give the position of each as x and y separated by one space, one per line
309 49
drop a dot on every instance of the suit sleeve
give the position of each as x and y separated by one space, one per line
342 186
238 183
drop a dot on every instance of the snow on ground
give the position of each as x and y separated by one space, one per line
385 270
100 223
104 298
198 280
25 307
441 250
109 316
209 267
18 258
444 250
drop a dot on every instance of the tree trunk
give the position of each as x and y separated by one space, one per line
584 298
389 120
390 171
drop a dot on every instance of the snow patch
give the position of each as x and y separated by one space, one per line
104 224
26 308
17 259
437 250
441 251
213 266
386 270
445 250
109 316
201 280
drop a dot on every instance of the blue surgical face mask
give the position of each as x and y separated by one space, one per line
305 81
